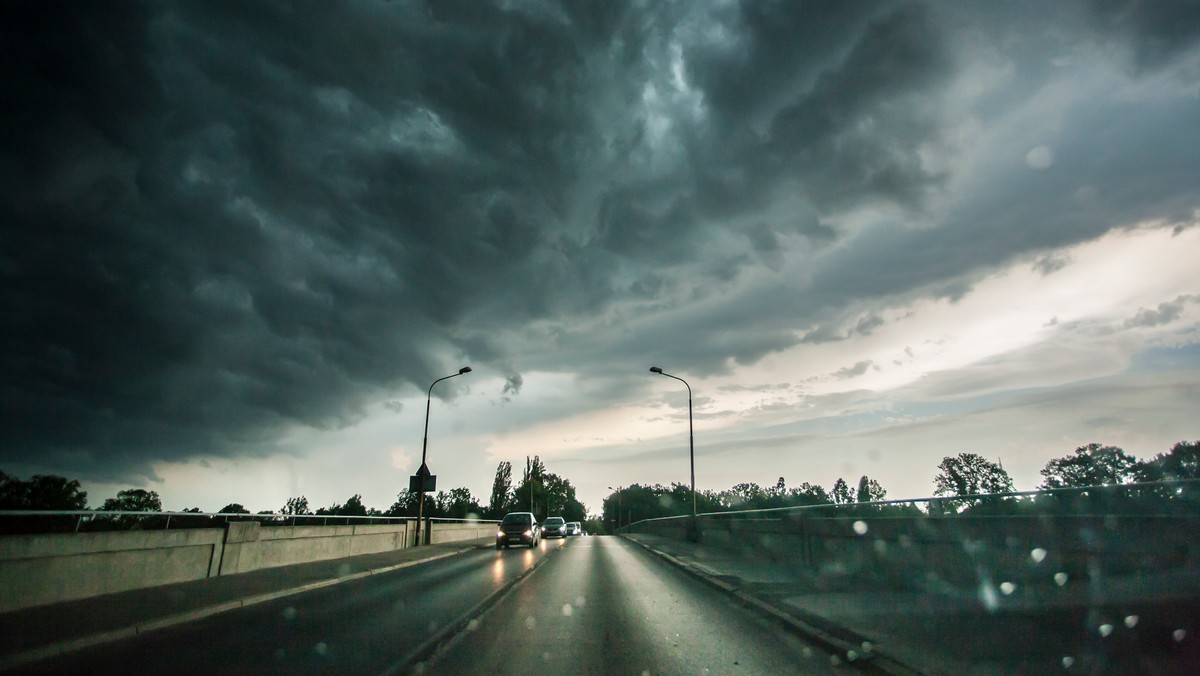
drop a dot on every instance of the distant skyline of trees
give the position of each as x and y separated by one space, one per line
966 474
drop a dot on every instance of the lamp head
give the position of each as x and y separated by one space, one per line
465 369
655 369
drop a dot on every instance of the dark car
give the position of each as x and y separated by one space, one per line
554 527
518 528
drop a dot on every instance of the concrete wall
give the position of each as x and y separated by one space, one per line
953 552
42 569
460 532
250 547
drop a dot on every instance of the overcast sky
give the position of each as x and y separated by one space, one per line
241 239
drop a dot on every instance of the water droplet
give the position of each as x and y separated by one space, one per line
806 652
473 624
545 657
866 646
321 648
343 570
851 655
1179 635
987 596
530 622
1106 629
860 527
1068 661
1131 621
289 613
567 610
1038 555
580 601
1060 579
1007 588
1040 157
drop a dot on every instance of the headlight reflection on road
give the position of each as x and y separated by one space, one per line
498 570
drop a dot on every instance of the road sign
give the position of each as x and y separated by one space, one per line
414 483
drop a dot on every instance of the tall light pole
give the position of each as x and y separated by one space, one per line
692 531
618 489
424 471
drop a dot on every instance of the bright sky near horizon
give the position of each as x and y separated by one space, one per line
240 241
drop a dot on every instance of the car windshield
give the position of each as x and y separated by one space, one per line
882 313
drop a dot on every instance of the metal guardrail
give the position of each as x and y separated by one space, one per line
1182 486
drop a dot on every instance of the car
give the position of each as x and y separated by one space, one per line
518 528
555 527
573 528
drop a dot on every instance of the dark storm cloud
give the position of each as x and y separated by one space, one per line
222 220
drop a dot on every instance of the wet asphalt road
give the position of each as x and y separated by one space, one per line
596 605
365 626
605 606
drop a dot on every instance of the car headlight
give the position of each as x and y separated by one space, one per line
499 533
528 533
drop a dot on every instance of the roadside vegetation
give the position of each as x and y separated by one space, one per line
966 484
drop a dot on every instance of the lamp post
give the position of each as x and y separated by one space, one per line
424 471
618 489
692 531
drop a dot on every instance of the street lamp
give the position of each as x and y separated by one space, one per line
424 471
693 533
618 489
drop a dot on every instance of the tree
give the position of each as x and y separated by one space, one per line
1091 465
970 474
869 490
41 492
842 494
1181 462
353 507
458 503
135 500
297 506
808 494
233 508
406 505
131 500
501 490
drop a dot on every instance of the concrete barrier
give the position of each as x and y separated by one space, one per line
461 532
952 552
41 569
49 568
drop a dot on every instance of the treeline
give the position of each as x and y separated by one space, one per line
540 491
963 482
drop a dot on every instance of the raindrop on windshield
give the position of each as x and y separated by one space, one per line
1007 588
1131 621
567 610
1179 635
1038 555
1068 661
1060 579
860 527
1106 629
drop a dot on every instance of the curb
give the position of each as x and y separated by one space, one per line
860 654
60 648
